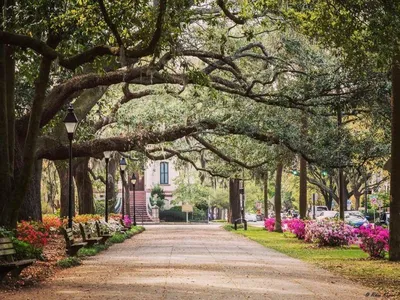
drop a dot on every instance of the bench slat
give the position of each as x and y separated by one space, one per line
17 263
7 252
94 239
6 246
79 244
5 240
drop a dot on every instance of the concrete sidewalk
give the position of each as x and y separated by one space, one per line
193 262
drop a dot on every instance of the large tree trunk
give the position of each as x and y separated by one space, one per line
394 253
113 166
5 174
342 199
84 186
32 134
31 208
357 196
266 194
303 188
234 200
303 171
330 199
278 199
128 198
125 184
62 170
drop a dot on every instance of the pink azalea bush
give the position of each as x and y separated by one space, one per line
329 233
297 227
374 240
269 224
127 221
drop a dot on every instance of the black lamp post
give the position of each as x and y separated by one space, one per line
107 155
70 122
122 166
133 180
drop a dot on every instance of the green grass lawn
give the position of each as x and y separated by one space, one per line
351 262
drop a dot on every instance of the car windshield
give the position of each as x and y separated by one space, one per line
354 214
329 213
322 208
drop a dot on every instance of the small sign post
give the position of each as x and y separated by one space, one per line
187 208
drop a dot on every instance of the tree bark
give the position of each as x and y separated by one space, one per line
62 170
266 194
394 253
113 166
84 186
29 153
5 176
278 199
234 199
303 188
127 197
126 193
303 171
340 178
357 196
10 84
31 208
330 199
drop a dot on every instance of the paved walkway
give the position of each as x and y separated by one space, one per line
193 262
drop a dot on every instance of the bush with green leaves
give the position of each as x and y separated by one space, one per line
157 196
69 262
87 251
117 238
25 250
6 233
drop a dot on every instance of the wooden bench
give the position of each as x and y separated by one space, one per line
7 262
72 247
105 235
87 235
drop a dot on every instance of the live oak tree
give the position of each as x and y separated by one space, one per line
365 33
220 74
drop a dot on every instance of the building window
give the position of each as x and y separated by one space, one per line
164 173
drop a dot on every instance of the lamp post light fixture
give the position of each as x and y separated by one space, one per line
70 122
122 166
133 181
107 155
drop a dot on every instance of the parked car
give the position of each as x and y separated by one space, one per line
318 211
260 217
355 218
384 218
251 217
329 214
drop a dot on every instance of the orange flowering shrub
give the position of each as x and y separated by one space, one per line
86 218
116 217
51 222
33 233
